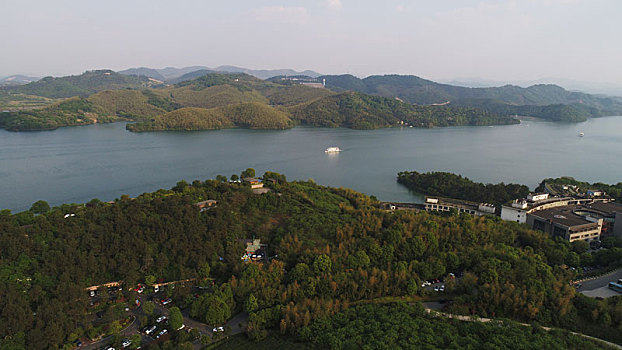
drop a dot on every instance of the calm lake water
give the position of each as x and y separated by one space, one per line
104 161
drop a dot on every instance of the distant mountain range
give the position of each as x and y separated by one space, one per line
222 100
610 89
82 85
173 74
545 101
504 99
17 79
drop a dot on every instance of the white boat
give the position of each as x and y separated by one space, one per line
333 149
581 134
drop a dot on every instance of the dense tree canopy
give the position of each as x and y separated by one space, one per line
455 186
329 248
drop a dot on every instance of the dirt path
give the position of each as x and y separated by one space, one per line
485 320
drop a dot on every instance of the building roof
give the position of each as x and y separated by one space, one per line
563 216
208 202
606 208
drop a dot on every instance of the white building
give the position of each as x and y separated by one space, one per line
536 197
516 212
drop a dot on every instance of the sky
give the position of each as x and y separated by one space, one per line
500 40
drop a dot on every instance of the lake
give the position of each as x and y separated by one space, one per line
104 161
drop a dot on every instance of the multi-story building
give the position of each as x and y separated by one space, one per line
447 204
568 222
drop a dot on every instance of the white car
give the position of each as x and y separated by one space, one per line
436 289
162 332
160 319
150 330
126 343
442 288
218 329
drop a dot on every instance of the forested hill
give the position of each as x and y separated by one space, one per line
421 91
81 85
455 186
362 111
332 248
261 104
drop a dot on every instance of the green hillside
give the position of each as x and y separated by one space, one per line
290 95
574 112
82 85
246 101
333 252
257 116
246 115
143 71
74 111
188 118
128 103
212 96
361 111
420 91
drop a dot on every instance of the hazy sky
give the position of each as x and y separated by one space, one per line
491 39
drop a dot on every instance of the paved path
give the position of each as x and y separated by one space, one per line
485 320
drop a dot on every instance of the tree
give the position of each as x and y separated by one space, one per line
95 202
217 311
580 247
195 334
221 178
204 271
136 340
235 177
148 307
322 264
40 207
176 320
180 186
251 304
150 280
115 327
250 172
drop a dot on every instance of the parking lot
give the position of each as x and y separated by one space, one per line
162 303
598 287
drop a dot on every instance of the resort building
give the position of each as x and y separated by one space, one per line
568 222
447 204
205 205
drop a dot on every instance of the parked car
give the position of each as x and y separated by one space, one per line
162 332
218 329
126 343
150 330
166 301
160 319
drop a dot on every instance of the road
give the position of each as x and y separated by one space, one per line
599 283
